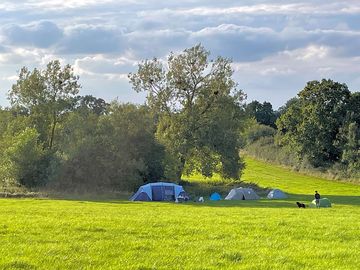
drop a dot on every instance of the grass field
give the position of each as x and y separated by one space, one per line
65 234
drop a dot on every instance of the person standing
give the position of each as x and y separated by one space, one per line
317 199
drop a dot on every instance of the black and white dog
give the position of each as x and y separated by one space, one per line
300 205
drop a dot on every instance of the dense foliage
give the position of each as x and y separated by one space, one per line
262 112
198 109
50 136
194 121
318 129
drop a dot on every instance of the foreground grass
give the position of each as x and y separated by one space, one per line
65 234
44 234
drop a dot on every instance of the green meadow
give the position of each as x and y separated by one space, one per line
117 234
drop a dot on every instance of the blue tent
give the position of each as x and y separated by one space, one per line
159 191
215 197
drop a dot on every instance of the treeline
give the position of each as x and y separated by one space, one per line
194 120
52 137
317 130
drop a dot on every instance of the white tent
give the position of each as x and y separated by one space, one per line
242 194
276 194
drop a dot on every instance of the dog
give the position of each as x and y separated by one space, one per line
300 205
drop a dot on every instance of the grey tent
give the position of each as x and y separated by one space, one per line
276 194
324 202
242 194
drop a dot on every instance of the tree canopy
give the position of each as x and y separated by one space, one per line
312 124
198 107
262 112
46 95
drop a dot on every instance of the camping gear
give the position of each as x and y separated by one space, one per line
215 197
183 197
324 202
242 194
276 194
160 191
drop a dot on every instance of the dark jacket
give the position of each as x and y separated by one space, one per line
317 196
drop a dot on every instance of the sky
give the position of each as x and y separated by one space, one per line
275 46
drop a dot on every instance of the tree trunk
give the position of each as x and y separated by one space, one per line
180 168
52 132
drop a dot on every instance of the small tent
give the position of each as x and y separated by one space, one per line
276 194
242 194
160 191
215 197
324 202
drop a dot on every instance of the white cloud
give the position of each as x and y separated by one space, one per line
330 7
283 75
21 56
11 78
277 71
310 53
65 4
313 60
115 68
8 6
233 29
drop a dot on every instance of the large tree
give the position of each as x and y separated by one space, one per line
197 105
311 125
46 95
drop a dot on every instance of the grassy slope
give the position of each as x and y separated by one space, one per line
300 186
268 175
54 234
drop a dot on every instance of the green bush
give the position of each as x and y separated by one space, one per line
24 160
258 131
110 152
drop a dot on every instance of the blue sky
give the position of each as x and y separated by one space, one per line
276 46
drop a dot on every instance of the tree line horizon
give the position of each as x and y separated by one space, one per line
195 120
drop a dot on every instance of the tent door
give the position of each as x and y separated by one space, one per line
169 194
157 193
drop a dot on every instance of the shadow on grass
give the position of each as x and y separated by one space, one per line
247 204
204 189
285 203
262 203
221 203
335 199
290 202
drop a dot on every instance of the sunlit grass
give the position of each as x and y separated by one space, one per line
267 175
65 234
